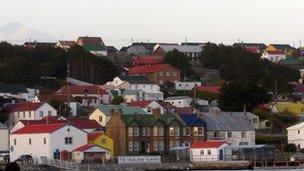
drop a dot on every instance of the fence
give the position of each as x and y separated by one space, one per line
69 165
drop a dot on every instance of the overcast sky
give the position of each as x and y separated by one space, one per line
117 21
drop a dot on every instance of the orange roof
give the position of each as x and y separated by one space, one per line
92 136
87 146
208 144
23 107
141 104
39 128
148 69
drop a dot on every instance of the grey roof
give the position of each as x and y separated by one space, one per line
12 88
137 50
236 114
130 92
2 126
135 79
177 97
184 49
227 123
193 43
247 146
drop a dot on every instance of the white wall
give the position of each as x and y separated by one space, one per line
273 57
295 137
195 154
4 139
96 114
180 102
154 105
45 109
186 85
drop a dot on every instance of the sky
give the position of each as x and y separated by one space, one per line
119 22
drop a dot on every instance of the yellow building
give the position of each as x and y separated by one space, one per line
287 49
102 140
288 107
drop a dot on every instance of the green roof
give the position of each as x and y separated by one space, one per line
126 110
94 48
290 61
150 120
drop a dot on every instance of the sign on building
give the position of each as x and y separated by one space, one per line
138 159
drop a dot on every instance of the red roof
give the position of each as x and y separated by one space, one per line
59 97
79 123
208 144
77 89
209 88
148 69
23 107
39 128
90 40
92 136
141 104
149 60
87 146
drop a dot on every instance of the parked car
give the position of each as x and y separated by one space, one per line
25 158
4 156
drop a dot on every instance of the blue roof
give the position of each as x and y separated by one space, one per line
192 120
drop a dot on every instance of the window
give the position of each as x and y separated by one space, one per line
30 141
135 131
49 113
44 140
243 134
149 109
161 74
103 141
18 115
41 113
130 146
171 131
15 142
143 132
100 119
195 131
155 145
216 134
202 152
209 152
174 74
188 132
160 131
136 146
168 74
148 131
155 131
200 131
23 114
176 131
160 145
68 140
229 134
130 132
255 120
30 114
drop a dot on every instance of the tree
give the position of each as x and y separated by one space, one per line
62 108
117 100
290 148
235 96
180 61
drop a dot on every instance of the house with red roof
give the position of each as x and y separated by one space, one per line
205 151
51 140
87 95
209 88
274 56
91 152
94 45
65 44
147 60
150 106
28 111
158 74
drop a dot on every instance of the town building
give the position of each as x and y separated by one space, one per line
206 151
150 106
16 91
102 113
147 60
28 111
88 95
46 140
65 44
102 140
4 137
285 48
231 129
91 153
274 56
179 101
186 85
288 107
142 95
135 134
191 51
93 45
252 47
295 135
157 73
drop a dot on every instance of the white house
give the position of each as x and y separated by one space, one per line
179 101
186 85
151 107
46 140
90 152
273 56
4 137
29 111
142 95
295 135
17 91
205 151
